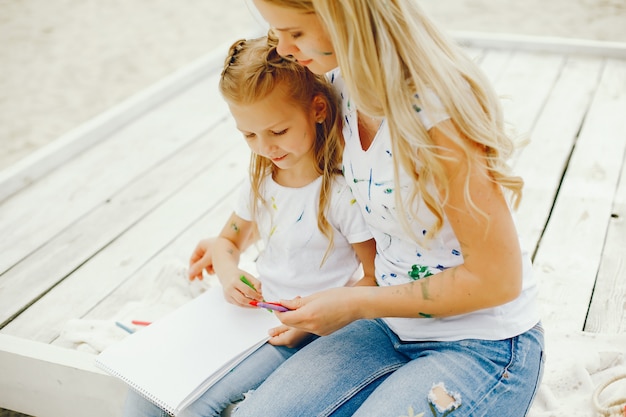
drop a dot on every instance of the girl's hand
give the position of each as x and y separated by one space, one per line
240 291
322 313
201 259
288 336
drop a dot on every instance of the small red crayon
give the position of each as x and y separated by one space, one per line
141 323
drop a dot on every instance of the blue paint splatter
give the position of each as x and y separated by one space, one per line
348 124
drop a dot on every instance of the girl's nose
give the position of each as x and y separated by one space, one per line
265 146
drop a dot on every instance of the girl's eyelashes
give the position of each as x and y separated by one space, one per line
295 35
252 135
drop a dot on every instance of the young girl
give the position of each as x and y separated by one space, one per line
452 327
313 235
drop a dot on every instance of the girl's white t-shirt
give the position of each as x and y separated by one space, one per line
290 262
399 258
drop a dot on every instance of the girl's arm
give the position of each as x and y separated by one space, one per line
232 240
201 258
491 274
366 252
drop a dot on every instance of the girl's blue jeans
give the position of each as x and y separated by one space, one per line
246 376
365 370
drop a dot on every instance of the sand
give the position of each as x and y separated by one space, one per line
63 62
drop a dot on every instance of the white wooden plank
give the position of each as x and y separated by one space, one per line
607 312
494 62
549 44
49 381
525 85
543 161
38 213
569 253
66 251
104 272
476 54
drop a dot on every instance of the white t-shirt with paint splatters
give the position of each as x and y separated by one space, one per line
293 246
399 258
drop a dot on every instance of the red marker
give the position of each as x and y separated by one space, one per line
271 306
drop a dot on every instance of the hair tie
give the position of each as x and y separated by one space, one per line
232 54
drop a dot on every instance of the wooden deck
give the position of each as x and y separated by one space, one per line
85 222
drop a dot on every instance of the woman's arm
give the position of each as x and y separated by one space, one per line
491 273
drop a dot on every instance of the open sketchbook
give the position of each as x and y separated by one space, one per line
175 359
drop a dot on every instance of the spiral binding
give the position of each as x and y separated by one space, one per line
165 407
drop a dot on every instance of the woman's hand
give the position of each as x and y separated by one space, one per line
324 312
288 336
201 259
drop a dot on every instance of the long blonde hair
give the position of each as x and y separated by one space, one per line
252 70
393 48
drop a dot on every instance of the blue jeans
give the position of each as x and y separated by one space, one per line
245 377
365 370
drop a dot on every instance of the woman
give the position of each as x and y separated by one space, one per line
452 327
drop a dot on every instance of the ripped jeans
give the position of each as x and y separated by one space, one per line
364 370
